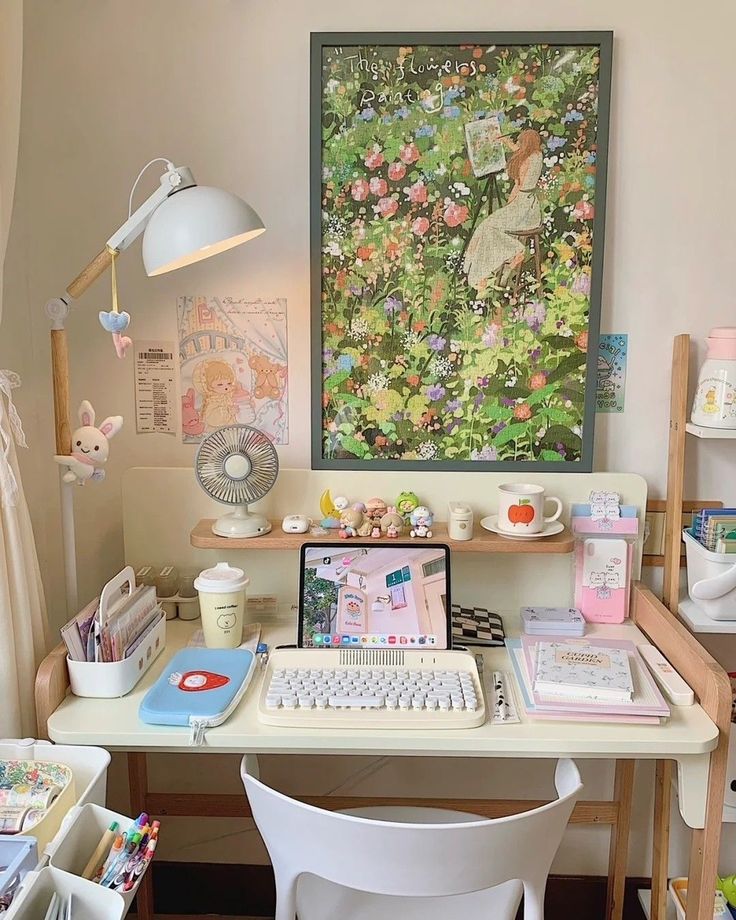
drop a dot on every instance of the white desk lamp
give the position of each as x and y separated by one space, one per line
181 223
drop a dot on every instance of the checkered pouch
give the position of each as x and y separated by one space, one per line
476 626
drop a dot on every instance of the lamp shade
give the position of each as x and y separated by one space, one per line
194 224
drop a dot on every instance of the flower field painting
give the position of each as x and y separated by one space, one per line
458 194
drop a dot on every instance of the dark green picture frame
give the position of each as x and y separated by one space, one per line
515 408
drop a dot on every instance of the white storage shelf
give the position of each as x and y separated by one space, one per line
699 622
645 899
715 433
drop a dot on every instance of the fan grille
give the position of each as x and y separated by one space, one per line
234 440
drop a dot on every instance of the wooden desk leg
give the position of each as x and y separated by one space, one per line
619 848
661 838
706 840
138 786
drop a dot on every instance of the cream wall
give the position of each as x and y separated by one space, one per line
222 86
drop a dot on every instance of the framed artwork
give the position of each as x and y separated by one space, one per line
458 194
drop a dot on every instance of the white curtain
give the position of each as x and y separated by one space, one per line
22 608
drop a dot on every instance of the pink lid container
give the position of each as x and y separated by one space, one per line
722 343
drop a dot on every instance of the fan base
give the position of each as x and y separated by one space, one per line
237 527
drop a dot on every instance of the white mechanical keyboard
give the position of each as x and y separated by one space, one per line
366 688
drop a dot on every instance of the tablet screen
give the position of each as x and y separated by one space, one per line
376 595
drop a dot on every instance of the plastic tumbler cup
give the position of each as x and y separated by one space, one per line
222 604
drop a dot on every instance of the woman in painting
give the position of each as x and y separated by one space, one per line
493 244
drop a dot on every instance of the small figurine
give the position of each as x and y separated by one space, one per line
350 521
375 508
366 528
406 503
392 523
90 446
341 503
376 532
330 512
421 520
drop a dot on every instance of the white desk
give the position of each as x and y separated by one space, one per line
688 738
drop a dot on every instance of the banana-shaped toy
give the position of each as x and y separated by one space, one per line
326 505
330 510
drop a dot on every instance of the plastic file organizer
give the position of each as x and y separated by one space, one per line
109 679
66 851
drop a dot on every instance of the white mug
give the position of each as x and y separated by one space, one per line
521 508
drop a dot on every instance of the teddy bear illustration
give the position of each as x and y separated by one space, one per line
191 423
226 621
270 378
90 446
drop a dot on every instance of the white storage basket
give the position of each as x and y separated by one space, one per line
711 579
89 769
91 902
110 679
86 827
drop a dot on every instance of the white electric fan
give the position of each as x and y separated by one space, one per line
237 465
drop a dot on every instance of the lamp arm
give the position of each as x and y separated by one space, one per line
174 179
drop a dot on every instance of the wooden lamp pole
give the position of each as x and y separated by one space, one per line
58 311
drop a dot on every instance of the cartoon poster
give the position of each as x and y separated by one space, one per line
233 365
612 356
351 610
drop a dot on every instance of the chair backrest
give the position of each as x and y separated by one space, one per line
385 857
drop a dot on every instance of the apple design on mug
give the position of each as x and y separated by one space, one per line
523 513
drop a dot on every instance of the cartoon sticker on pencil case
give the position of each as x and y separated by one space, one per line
194 681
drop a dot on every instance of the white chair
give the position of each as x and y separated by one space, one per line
398 863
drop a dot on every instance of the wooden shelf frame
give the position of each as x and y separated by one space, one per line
712 686
483 540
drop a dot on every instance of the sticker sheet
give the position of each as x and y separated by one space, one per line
612 357
233 365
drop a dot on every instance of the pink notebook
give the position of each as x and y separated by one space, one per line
647 701
519 664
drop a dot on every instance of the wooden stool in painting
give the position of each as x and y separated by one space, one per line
531 239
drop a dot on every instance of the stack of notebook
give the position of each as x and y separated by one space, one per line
715 528
594 680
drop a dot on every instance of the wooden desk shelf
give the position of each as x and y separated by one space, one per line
483 541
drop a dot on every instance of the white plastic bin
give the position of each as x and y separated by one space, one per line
91 902
88 765
711 579
75 847
19 856
111 679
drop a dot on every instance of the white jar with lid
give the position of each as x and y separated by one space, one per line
221 592
714 405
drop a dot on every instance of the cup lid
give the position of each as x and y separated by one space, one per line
723 332
221 579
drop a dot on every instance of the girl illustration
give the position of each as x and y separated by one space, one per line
493 245
216 381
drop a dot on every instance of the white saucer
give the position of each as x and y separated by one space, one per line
491 523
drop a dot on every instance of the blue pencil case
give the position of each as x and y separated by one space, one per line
199 687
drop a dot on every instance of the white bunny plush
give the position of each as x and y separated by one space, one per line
90 446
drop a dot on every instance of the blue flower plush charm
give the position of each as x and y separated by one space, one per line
113 321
